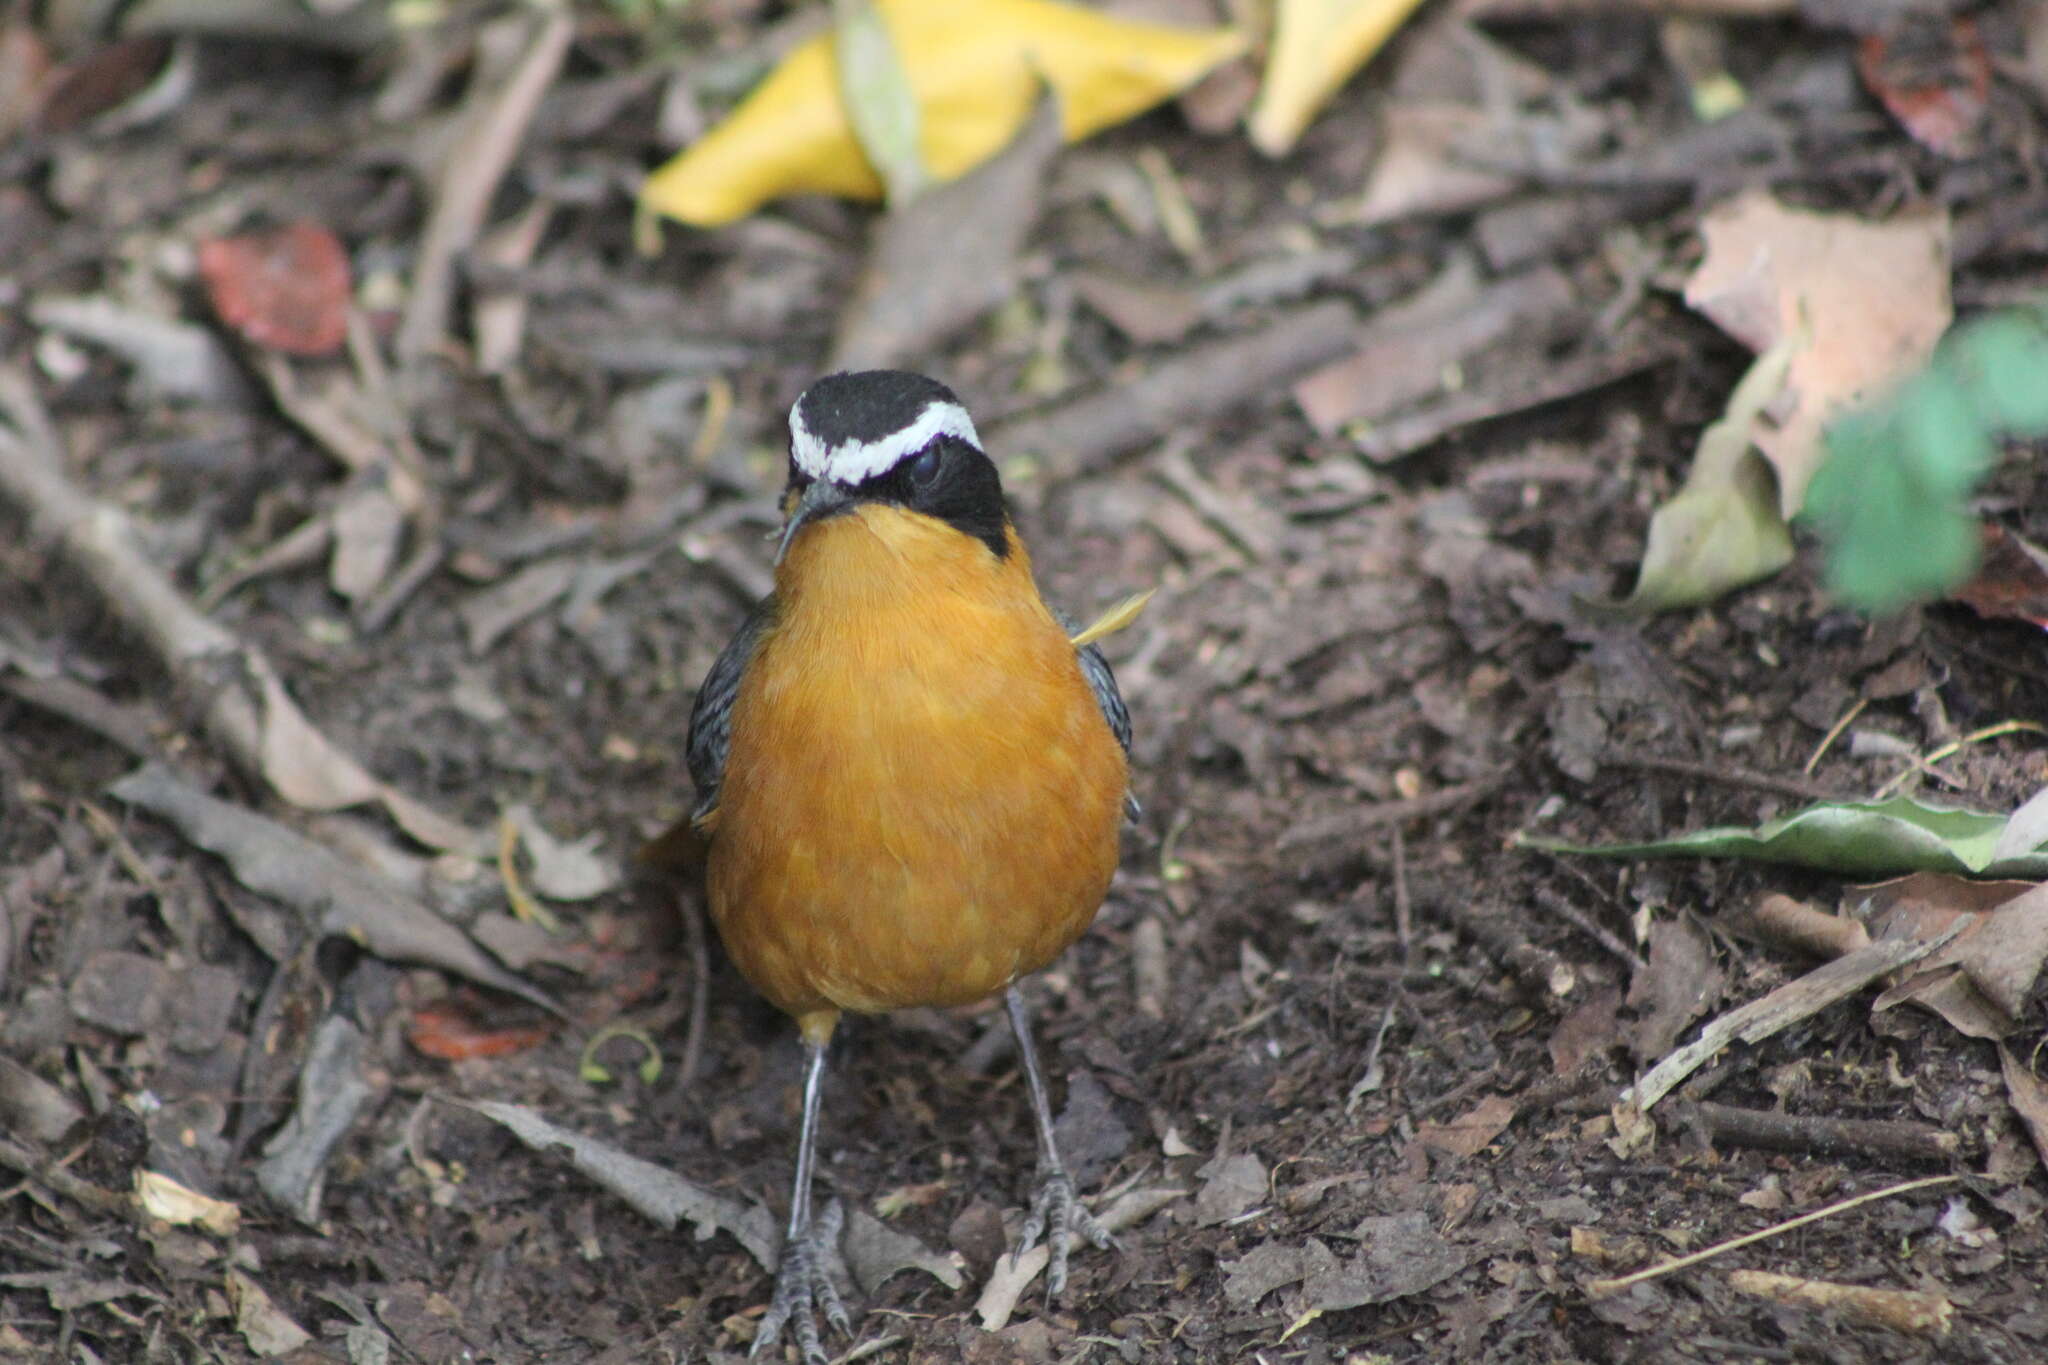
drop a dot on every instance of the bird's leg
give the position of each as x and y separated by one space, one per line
1055 1212
801 1280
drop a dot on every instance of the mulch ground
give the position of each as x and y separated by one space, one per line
1372 1046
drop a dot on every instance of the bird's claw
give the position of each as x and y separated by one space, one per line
1057 1214
803 1283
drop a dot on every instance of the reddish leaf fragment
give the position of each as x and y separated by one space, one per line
286 288
2012 579
453 1029
103 79
1469 1133
1934 78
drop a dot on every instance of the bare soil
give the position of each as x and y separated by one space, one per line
1360 679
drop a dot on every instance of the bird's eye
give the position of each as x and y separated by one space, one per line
925 467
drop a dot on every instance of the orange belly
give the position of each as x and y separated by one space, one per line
921 799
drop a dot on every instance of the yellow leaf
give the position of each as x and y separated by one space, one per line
1115 619
1317 45
165 1199
976 67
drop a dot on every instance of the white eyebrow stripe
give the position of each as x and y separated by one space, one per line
854 462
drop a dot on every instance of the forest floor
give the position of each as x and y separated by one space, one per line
1346 1054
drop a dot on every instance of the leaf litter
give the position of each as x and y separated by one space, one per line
332 897
1192 661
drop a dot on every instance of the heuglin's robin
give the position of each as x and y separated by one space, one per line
910 776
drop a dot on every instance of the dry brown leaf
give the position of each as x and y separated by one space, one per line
1148 312
1470 1132
1587 1031
1680 982
1980 982
367 528
1934 76
1419 169
1230 1185
875 1251
941 260
563 869
1874 296
333 897
262 1323
2011 581
2029 1096
285 287
657 1194
1399 1254
164 1198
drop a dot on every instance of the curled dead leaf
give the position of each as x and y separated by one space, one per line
976 70
1317 46
1875 297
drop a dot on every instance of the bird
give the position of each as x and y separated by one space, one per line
911 774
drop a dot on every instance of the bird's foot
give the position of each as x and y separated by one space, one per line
802 1284
1057 1215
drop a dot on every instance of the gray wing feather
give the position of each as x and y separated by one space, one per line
1102 682
711 717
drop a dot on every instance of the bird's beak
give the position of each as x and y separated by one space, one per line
820 500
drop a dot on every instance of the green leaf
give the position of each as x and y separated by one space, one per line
1893 535
2003 360
1891 498
1854 839
880 104
1945 438
1724 528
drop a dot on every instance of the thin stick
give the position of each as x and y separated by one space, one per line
1788 1004
1587 925
1834 733
1602 1288
1926 765
1404 905
52 1176
1720 772
240 695
495 120
1895 1138
700 996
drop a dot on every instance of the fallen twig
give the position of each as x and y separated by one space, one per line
1192 387
1591 928
1893 1138
53 1177
496 120
1787 1005
1543 976
1324 846
242 699
123 723
1901 1310
1786 923
1602 1288
1720 772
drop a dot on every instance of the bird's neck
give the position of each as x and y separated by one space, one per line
878 560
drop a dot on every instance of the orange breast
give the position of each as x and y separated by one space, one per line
921 799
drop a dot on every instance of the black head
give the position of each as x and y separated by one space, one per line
895 437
